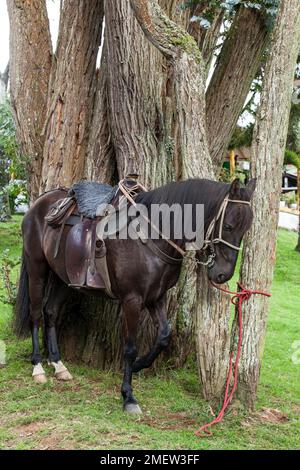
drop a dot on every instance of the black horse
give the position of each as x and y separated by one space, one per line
140 277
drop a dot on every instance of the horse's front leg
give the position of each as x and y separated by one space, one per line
159 317
132 306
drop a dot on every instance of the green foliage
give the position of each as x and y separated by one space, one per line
14 161
17 194
242 137
7 263
289 198
4 206
291 158
268 8
227 177
4 169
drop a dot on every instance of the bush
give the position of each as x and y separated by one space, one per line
12 164
17 194
4 207
7 263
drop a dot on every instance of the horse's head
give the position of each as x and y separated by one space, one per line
231 223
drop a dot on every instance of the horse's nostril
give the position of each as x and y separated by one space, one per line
221 278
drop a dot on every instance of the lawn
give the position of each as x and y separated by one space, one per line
86 413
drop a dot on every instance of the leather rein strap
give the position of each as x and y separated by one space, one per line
126 193
209 241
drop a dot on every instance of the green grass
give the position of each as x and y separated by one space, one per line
86 413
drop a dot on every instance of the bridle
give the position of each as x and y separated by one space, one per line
210 241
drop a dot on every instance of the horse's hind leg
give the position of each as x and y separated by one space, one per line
56 297
37 278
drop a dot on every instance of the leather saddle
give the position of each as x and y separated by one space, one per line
85 250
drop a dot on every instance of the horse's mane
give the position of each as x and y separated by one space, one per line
193 191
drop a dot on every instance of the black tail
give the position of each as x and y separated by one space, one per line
21 323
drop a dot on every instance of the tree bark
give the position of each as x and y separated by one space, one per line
236 67
72 90
135 103
133 129
267 159
30 64
206 38
100 164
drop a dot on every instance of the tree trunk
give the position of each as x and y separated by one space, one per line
142 131
100 164
133 129
267 159
30 64
135 103
72 91
237 65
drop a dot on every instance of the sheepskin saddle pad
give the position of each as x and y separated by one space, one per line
91 195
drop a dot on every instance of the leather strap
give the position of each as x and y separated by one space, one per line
102 265
161 254
73 219
124 190
69 212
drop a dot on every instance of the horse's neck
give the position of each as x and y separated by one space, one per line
208 195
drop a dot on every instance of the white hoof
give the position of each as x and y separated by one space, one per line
64 375
38 374
61 372
133 408
40 379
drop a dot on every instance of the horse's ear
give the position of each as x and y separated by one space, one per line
235 188
251 185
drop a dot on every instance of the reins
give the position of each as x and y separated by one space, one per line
237 299
126 193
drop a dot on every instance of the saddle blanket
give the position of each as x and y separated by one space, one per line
91 197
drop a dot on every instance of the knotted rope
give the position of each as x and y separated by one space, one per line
237 299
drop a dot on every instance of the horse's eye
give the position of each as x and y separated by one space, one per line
227 228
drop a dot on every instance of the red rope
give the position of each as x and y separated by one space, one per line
237 299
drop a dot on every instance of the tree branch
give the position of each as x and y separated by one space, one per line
164 33
237 65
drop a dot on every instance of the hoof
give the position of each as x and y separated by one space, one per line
61 372
64 375
40 378
38 374
133 409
